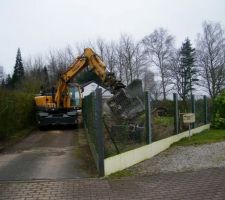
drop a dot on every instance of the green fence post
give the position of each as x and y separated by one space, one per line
148 118
176 114
99 131
92 113
84 112
205 110
193 108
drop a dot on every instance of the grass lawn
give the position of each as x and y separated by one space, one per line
205 137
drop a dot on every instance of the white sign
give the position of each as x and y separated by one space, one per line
189 118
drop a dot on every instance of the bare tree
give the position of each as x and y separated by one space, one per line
70 54
148 80
156 92
128 52
151 85
131 58
58 61
64 58
101 47
140 61
175 72
36 75
52 66
110 56
125 58
211 57
119 64
79 48
159 47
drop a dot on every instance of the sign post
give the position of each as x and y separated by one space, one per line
189 118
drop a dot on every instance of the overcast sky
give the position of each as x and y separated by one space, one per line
39 25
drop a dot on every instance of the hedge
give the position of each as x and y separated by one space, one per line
16 112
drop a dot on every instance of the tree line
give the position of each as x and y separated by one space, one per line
154 59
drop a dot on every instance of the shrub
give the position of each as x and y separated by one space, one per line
16 112
219 111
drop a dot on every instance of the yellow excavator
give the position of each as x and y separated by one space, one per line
61 107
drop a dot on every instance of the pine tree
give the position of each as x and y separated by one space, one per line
8 82
3 83
44 74
188 70
18 69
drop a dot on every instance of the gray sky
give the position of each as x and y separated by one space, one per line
39 25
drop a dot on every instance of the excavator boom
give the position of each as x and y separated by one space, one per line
91 59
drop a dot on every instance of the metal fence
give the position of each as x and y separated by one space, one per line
197 104
92 115
127 133
200 110
109 133
162 114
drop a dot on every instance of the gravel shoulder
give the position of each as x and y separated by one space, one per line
183 158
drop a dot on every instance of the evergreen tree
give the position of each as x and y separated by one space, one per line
188 71
3 83
18 69
8 82
45 75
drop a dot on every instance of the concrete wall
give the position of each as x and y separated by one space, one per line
132 157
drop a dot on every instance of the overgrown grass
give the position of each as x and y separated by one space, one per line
165 121
120 174
205 137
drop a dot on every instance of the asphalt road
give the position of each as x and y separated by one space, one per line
51 154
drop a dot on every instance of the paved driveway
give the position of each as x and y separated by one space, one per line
52 154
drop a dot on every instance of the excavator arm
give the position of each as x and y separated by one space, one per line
91 59
108 79
65 78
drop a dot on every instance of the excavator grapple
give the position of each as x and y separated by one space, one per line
128 102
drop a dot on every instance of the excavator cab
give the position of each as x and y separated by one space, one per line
75 96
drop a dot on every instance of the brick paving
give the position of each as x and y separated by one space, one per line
204 184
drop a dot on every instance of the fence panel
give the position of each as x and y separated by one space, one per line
122 133
92 115
200 110
209 109
162 119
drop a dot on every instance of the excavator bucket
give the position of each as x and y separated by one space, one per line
128 102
